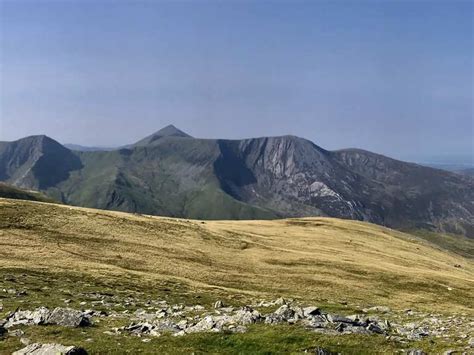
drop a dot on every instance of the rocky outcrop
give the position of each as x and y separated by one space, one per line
236 321
158 318
68 318
43 316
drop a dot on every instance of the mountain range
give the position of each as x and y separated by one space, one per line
170 173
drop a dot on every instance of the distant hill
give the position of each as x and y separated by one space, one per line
468 171
82 148
7 191
173 174
455 168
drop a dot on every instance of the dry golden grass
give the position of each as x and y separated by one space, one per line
313 258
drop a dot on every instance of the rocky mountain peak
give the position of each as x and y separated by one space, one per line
171 130
167 131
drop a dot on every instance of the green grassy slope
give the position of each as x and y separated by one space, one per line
166 178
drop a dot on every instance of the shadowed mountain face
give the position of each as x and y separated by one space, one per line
170 173
36 162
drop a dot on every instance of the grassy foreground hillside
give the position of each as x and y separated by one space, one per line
58 253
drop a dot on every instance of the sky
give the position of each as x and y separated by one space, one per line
394 77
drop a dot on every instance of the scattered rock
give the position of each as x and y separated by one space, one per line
355 318
318 351
16 333
375 328
25 341
247 315
50 349
142 329
334 318
42 316
158 317
311 311
416 352
68 317
36 317
219 304
284 312
280 301
207 324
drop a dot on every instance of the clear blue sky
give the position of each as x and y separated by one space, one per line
395 77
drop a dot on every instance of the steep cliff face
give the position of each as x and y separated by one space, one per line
294 177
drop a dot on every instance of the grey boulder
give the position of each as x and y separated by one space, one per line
36 317
50 349
66 317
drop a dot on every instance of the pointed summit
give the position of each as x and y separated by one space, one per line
168 131
171 131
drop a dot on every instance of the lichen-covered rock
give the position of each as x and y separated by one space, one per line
247 315
219 304
416 352
43 316
311 311
16 333
334 318
68 317
207 324
285 312
142 329
36 317
50 349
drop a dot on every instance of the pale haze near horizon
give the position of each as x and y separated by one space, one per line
392 77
